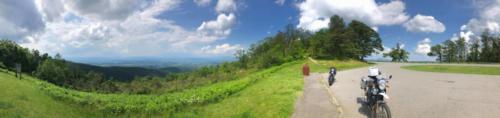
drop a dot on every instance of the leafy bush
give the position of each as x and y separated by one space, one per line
121 103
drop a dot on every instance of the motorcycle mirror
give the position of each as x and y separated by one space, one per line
390 76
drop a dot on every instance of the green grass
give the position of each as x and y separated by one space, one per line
271 97
324 65
31 97
22 98
456 69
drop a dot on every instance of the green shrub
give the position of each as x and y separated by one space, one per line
121 103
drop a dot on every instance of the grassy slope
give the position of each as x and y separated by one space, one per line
272 96
456 69
22 98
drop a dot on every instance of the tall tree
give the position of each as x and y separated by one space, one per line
336 24
450 51
461 49
437 50
368 40
496 49
486 50
474 51
398 54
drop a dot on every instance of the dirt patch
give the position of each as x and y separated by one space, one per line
446 81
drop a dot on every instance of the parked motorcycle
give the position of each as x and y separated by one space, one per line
375 88
331 76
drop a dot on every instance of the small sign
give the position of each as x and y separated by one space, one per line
18 70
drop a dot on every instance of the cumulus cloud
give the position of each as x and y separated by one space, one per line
19 18
50 9
423 47
422 23
220 27
315 14
221 49
466 34
280 2
488 17
104 9
225 6
202 2
132 31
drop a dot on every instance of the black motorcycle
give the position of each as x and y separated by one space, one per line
331 77
375 91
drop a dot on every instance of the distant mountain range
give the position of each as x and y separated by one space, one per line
125 73
128 69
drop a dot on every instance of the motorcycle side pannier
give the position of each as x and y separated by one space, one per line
366 82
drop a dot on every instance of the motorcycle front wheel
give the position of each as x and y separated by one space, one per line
382 111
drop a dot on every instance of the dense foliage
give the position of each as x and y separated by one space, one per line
356 41
11 54
398 54
484 49
120 103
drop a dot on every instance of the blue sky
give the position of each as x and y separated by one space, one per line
123 29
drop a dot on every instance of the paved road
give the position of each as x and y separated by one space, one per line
417 94
315 102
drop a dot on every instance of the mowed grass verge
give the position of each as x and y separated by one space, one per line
323 66
273 96
456 69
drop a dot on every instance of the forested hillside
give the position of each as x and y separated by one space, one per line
124 73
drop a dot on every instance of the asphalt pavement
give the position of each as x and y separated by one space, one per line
415 94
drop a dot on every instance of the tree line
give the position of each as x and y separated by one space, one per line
355 40
484 49
56 70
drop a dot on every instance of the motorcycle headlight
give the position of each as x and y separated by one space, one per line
382 84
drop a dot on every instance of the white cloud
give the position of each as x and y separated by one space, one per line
104 9
280 2
423 47
315 14
19 18
375 28
221 49
202 2
50 9
488 17
225 6
380 54
467 35
422 23
133 33
220 27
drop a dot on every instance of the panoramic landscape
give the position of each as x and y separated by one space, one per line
249 58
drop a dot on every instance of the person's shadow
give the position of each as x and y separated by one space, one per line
364 109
